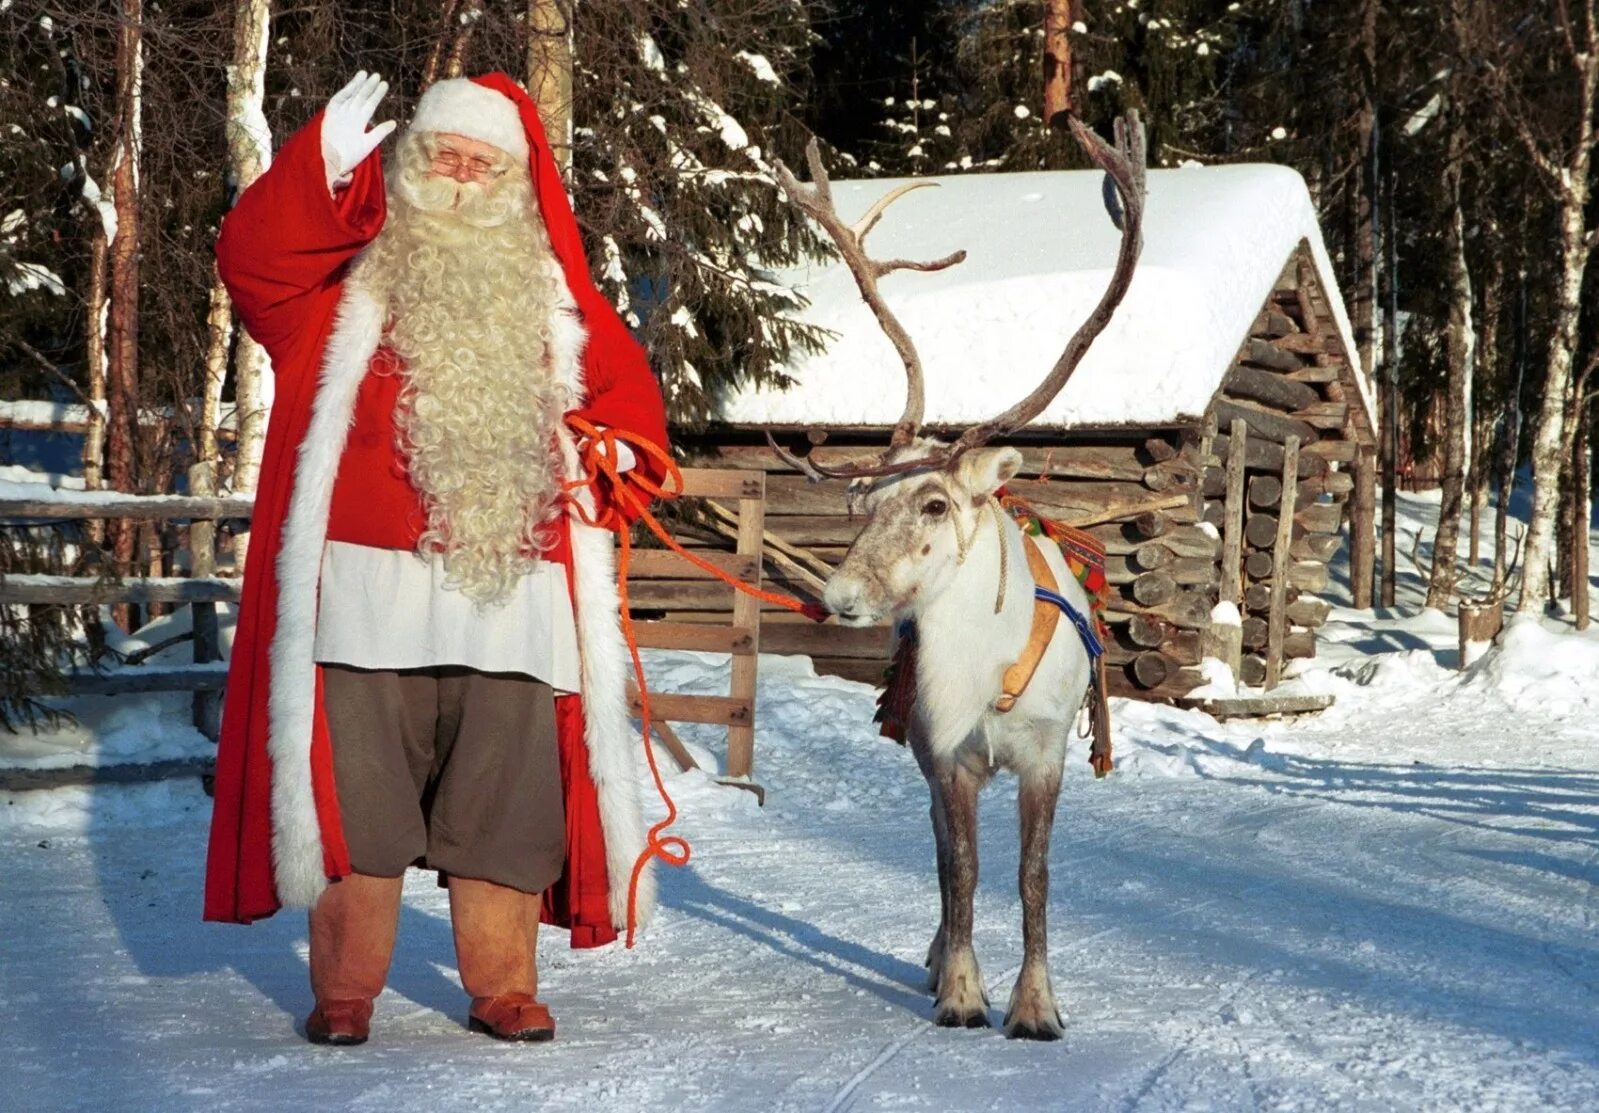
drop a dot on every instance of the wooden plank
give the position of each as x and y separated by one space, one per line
26 780
77 505
663 564
723 710
702 637
830 640
721 483
209 677
859 669
78 590
1242 707
1278 617
674 745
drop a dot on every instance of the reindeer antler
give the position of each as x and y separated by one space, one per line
816 201
1124 169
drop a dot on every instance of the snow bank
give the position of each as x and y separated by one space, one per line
1535 669
1040 251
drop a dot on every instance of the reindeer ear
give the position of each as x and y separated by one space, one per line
982 471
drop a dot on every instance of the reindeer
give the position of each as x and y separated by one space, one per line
937 549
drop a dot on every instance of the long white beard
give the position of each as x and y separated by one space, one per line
471 284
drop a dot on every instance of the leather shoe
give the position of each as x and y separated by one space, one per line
512 1016
344 1022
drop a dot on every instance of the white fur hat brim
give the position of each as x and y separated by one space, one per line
460 106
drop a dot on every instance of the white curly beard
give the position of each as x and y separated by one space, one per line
470 282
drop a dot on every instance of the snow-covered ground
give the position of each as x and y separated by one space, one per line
1390 905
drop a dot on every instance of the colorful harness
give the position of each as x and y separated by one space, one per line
1085 557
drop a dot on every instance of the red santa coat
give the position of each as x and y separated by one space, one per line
284 253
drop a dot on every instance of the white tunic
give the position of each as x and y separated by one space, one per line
390 609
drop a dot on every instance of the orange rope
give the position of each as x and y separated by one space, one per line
599 453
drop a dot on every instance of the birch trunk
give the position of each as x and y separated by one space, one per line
549 73
1572 177
1549 445
249 154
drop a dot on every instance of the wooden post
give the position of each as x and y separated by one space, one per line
1278 617
1363 529
747 615
207 705
1480 623
1233 533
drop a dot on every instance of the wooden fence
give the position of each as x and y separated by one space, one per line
207 675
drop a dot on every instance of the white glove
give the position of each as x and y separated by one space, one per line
626 460
346 142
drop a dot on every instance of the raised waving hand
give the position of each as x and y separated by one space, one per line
346 140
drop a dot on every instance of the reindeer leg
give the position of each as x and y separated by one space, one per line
962 1001
935 950
1032 1014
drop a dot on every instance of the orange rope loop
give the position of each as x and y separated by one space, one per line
598 452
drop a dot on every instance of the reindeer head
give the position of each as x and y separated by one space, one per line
924 498
919 526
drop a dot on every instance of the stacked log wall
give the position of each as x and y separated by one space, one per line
1139 495
1289 385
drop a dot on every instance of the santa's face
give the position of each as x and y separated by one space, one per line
444 174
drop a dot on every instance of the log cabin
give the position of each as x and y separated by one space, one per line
1219 438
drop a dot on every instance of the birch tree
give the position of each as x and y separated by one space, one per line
1546 80
249 152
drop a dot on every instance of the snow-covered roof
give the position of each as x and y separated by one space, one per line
1040 251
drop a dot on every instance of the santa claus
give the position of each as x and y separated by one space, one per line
428 666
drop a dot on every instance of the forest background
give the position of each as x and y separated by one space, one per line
1448 145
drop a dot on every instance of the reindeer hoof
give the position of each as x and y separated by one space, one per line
957 1018
1043 1032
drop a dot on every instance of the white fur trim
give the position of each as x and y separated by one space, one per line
612 741
296 832
461 106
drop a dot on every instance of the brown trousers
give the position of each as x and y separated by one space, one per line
449 769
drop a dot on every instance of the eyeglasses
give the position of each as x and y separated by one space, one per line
451 163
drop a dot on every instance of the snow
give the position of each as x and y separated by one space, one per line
46 413
21 484
1040 252
761 66
1389 905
